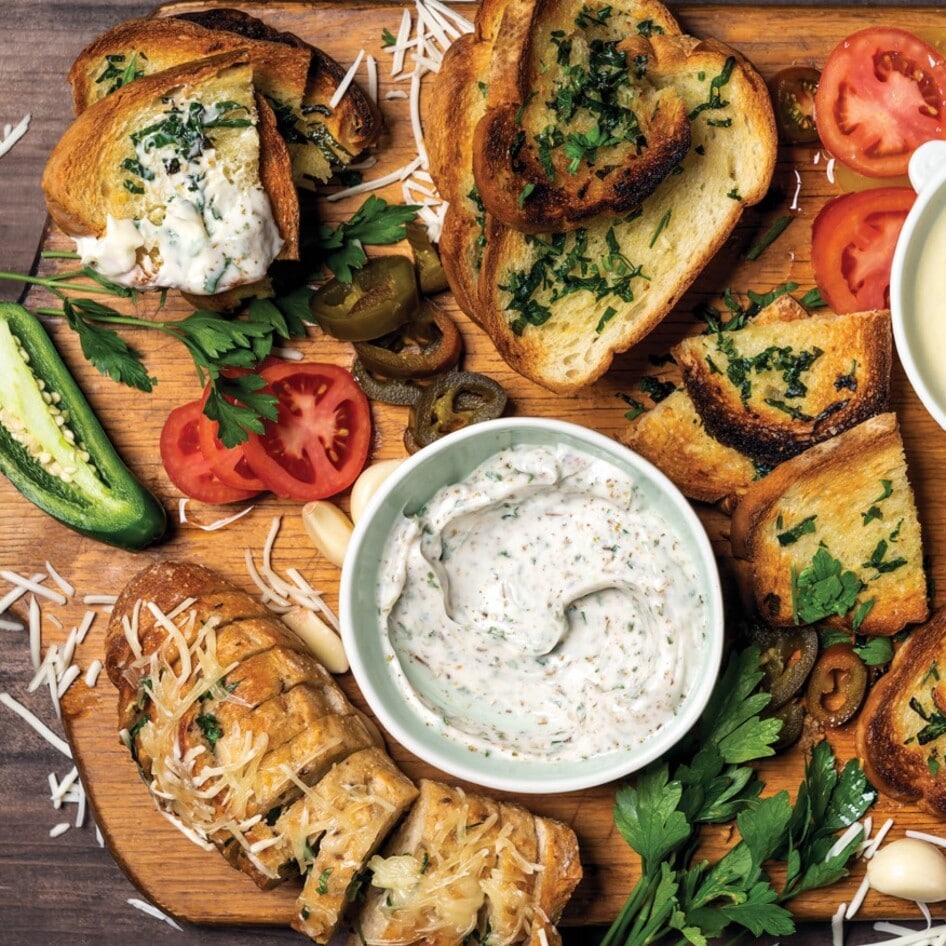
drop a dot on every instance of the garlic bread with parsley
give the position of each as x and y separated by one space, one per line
832 536
177 180
672 435
322 138
574 128
901 730
559 306
774 388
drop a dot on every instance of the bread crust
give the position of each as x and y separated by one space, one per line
280 71
886 736
515 185
838 481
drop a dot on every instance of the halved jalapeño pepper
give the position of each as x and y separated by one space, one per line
381 297
53 448
426 345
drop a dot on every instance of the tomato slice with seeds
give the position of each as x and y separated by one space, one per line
185 464
319 443
228 464
793 94
852 244
882 93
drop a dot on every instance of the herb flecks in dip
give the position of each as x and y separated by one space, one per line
541 610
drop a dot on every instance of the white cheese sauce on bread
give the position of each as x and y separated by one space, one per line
208 227
541 609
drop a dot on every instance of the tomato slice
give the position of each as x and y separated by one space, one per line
882 93
185 464
793 93
852 244
319 443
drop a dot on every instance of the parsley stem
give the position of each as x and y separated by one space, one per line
54 284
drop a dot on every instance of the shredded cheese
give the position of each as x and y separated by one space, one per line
837 926
92 673
36 724
146 907
59 829
346 82
857 899
11 135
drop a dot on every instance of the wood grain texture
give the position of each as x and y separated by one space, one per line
172 872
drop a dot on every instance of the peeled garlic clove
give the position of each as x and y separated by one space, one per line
328 528
324 644
367 485
910 869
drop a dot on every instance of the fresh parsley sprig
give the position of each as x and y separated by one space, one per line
375 223
214 342
660 818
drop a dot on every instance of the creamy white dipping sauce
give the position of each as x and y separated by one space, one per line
203 232
540 610
929 304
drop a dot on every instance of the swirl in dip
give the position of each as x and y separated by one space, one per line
539 610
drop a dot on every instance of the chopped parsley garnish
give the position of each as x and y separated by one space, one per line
648 28
873 651
322 888
823 588
935 721
771 235
525 193
387 38
812 299
133 733
790 536
715 99
847 382
117 73
210 728
636 408
734 194
886 491
657 390
878 559
664 220
563 264
609 313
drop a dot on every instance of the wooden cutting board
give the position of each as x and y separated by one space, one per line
197 886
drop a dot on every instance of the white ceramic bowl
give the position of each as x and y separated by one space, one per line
448 461
919 339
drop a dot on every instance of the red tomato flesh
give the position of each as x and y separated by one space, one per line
852 245
185 464
228 464
319 443
882 94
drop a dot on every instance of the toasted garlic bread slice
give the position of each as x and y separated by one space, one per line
178 180
833 535
559 319
673 437
775 388
559 876
144 46
574 128
321 139
901 730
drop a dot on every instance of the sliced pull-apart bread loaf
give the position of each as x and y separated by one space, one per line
775 388
463 868
177 180
559 306
249 746
832 535
574 127
901 731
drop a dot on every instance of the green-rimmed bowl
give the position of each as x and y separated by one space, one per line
412 484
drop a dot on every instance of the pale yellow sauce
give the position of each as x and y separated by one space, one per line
929 309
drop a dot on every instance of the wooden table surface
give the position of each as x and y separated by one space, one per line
68 889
